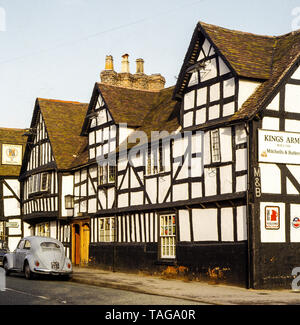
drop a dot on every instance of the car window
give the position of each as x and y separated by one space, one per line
20 245
27 244
49 244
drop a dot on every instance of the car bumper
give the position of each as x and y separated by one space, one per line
52 272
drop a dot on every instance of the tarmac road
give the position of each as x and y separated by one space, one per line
52 291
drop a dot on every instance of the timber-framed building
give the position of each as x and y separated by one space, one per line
12 227
215 194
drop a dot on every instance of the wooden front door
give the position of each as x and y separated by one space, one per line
80 242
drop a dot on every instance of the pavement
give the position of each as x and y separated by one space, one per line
214 294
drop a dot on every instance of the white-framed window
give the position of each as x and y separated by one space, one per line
43 229
45 177
107 229
168 236
106 174
215 146
39 183
155 160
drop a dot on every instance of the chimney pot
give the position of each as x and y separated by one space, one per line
125 63
139 66
109 62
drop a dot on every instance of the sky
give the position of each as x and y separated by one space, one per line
57 48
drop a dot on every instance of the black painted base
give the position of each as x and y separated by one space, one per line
210 262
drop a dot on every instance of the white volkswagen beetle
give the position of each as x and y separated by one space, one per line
38 255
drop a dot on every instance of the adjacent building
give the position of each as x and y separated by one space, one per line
12 227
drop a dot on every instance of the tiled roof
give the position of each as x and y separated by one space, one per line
249 55
286 54
64 121
11 136
164 115
128 105
264 58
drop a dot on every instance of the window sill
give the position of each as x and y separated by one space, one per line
161 174
167 261
37 194
107 185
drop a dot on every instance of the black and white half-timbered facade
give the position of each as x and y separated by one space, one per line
12 228
201 179
53 144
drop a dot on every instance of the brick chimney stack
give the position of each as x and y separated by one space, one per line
139 80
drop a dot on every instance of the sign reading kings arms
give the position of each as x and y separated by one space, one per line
278 147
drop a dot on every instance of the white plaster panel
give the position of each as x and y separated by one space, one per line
223 67
241 183
274 105
188 119
110 197
214 112
241 221
180 192
123 200
151 189
205 226
290 188
137 198
228 109
189 100
196 190
214 92
241 159
240 134
292 125
246 89
200 116
228 88
210 180
226 179
225 144
14 184
296 74
163 187
184 225
227 224
11 207
292 98
201 96
270 123
270 178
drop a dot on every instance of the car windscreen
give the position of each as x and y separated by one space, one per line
50 245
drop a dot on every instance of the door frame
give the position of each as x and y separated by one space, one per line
81 223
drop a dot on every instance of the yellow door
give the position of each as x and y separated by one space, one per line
80 242
85 231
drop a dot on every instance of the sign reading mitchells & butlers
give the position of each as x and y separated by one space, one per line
278 147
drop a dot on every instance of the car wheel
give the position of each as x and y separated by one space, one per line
5 266
27 271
